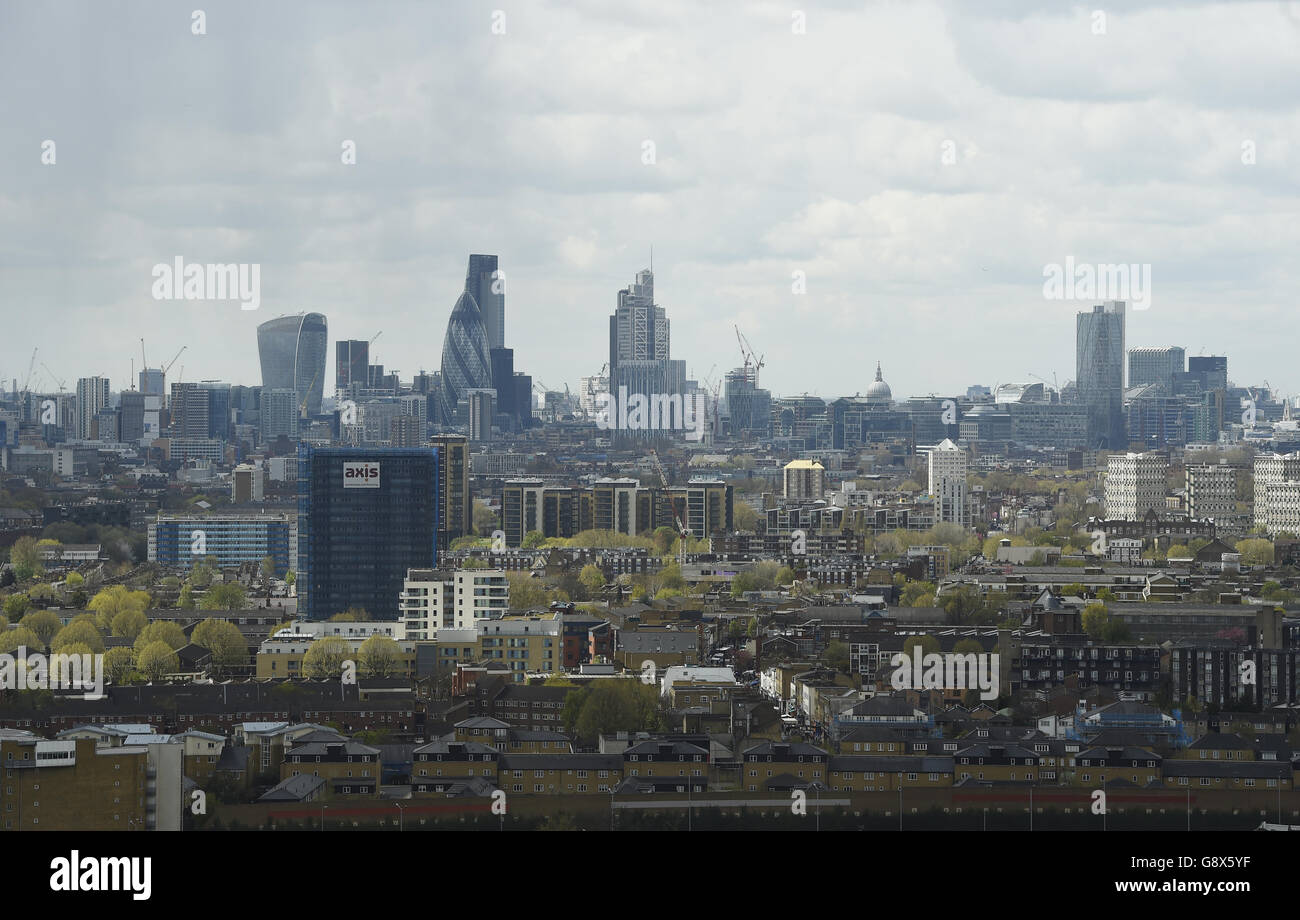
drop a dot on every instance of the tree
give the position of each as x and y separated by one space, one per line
227 596
118 662
352 615
186 599
128 624
1255 551
161 631
108 603
915 591
223 639
379 655
592 578
326 655
533 539
485 519
20 637
1095 620
836 655
744 517
968 647
157 659
26 557
79 630
526 592
201 574
611 706
914 646
16 605
74 580
44 623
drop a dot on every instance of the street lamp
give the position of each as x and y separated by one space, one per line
401 817
322 816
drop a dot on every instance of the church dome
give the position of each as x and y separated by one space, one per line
878 390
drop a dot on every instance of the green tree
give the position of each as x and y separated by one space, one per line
20 636
352 615
118 662
592 578
79 630
836 655
1095 620
534 539
111 601
744 517
26 557
226 596
1255 551
915 591
526 592
16 605
325 657
161 631
44 623
157 659
186 599
611 706
128 623
967 647
380 656
785 577
223 639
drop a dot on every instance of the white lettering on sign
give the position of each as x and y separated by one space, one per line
361 475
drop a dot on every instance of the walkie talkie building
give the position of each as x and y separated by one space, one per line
292 350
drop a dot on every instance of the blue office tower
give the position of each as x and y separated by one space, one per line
365 516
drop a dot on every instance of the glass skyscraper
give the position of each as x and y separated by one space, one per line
487 287
466 363
292 350
365 516
1099 359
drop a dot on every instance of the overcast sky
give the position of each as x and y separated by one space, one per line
775 152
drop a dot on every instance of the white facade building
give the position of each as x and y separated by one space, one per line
948 483
1135 484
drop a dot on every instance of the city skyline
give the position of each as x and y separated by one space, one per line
1043 146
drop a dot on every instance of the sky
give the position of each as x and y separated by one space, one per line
847 182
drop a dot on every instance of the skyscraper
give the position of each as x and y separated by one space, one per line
292 350
1156 365
456 516
465 358
1135 484
639 350
365 516
486 284
351 364
92 396
1099 360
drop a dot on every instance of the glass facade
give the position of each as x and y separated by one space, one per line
292 350
234 540
365 516
465 357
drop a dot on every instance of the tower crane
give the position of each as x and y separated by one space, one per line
682 532
747 353
168 365
31 365
53 376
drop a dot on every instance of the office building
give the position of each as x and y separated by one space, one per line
1099 373
947 466
487 284
1161 366
456 515
351 365
1209 371
292 351
1135 484
178 540
365 517
465 358
279 414
406 431
92 396
131 408
153 382
481 404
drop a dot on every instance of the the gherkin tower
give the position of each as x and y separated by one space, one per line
465 356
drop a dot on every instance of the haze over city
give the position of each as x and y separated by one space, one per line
921 163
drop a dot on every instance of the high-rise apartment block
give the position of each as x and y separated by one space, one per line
804 479
1273 471
1211 490
1135 484
432 600
948 483
92 396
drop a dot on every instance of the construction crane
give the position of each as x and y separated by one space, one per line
682 532
372 340
31 366
168 365
144 365
53 376
747 352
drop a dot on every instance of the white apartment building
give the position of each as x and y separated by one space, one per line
432 600
1281 507
1135 484
804 479
1211 490
1272 469
948 483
